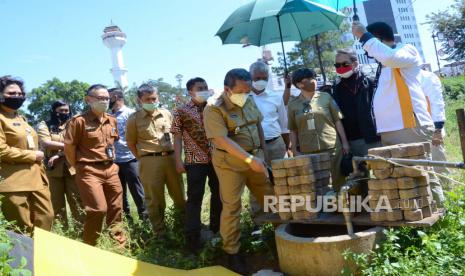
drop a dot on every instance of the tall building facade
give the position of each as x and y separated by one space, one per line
399 14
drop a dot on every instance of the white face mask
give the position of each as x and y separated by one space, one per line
99 106
347 74
260 85
202 96
239 99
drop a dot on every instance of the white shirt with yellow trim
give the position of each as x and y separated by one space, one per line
386 105
432 88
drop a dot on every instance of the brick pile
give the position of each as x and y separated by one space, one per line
305 175
407 189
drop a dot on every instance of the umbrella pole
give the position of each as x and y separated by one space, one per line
355 17
317 46
282 45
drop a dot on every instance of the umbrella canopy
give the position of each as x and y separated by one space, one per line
259 22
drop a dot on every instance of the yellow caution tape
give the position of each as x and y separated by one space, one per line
57 255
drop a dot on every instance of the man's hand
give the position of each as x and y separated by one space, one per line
257 165
437 138
39 156
180 167
345 148
358 29
52 160
288 81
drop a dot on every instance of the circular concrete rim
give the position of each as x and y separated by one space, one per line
281 232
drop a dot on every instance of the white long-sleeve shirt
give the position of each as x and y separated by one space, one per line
271 105
386 103
432 88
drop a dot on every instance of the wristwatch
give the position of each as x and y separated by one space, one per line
249 159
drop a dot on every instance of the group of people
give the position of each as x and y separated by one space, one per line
92 159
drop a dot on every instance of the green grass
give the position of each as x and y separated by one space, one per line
439 250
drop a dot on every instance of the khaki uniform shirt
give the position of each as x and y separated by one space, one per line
92 137
19 171
61 166
150 132
315 121
222 118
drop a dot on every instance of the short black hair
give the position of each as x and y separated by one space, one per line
381 30
236 74
94 87
116 92
190 83
58 103
146 88
9 80
302 73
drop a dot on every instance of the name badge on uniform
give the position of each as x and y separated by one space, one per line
311 124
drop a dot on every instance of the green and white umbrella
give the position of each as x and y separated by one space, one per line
263 22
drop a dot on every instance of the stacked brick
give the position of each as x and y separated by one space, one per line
407 189
306 176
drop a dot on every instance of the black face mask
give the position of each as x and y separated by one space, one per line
111 104
63 117
13 102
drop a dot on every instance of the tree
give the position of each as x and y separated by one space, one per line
305 53
451 23
169 95
42 98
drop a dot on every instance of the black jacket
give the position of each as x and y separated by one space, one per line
358 119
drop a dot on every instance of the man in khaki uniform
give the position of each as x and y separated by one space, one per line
149 139
24 192
89 147
232 122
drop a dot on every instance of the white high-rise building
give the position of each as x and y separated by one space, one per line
399 14
115 39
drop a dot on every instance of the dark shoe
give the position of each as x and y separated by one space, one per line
237 263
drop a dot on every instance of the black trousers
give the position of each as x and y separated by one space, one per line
196 178
129 176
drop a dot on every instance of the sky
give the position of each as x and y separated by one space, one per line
52 38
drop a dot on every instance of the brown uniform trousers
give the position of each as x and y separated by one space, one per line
23 185
96 175
222 118
61 177
151 135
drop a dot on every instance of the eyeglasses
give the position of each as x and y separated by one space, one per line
102 99
344 64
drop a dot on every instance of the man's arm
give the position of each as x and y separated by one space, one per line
287 89
216 131
293 137
225 143
178 153
283 122
70 153
394 58
263 143
342 135
131 135
72 139
132 147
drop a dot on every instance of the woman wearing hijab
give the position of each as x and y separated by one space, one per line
59 172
